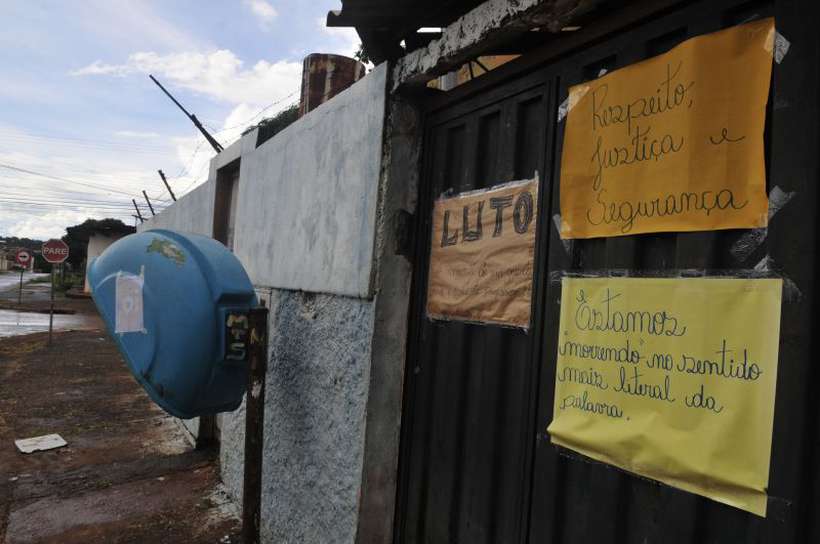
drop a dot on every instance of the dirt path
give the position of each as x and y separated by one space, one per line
127 475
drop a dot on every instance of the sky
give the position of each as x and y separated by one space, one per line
83 130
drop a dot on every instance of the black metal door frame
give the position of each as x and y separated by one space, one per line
690 518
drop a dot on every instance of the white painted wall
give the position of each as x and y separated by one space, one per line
307 198
97 243
192 213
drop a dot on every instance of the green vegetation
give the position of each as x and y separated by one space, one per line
77 236
69 281
270 127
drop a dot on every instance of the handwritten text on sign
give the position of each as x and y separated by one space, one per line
673 379
674 143
481 258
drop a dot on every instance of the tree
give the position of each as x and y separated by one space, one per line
77 236
270 127
361 55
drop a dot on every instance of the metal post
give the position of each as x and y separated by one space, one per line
254 423
20 293
165 181
150 207
138 211
51 311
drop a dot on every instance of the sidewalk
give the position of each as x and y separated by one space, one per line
127 474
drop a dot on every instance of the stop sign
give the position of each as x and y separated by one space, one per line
23 257
55 251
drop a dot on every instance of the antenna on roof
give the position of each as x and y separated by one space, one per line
216 145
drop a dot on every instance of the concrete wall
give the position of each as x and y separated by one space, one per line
307 197
97 243
315 412
315 229
191 213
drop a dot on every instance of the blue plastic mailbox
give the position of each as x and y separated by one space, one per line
177 304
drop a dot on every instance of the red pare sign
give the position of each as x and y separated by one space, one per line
55 251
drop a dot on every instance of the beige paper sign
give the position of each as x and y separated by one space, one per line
481 262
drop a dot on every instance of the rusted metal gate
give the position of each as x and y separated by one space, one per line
477 465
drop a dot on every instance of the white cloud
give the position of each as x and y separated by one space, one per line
136 134
195 153
218 74
99 68
343 40
48 224
132 25
41 207
255 92
263 11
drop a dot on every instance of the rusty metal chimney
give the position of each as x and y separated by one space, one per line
324 76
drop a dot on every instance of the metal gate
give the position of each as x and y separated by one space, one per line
476 463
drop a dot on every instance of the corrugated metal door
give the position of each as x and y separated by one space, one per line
469 413
477 465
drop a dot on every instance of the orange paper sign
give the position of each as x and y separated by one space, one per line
482 252
674 143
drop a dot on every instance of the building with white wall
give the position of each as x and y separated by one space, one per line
304 212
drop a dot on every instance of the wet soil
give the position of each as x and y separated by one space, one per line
128 475
31 315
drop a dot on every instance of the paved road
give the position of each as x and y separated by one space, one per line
9 280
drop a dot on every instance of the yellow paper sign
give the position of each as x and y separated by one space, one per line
673 143
673 379
481 260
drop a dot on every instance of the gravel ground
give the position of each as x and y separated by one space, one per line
127 475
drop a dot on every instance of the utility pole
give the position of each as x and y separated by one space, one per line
165 181
150 207
216 145
139 215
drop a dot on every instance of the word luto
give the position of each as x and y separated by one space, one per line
523 212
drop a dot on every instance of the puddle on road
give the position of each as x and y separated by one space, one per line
14 323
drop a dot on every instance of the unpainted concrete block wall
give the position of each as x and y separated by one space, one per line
314 417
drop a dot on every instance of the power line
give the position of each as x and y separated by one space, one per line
49 176
98 175
26 190
260 112
113 146
68 139
77 202
30 210
46 208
